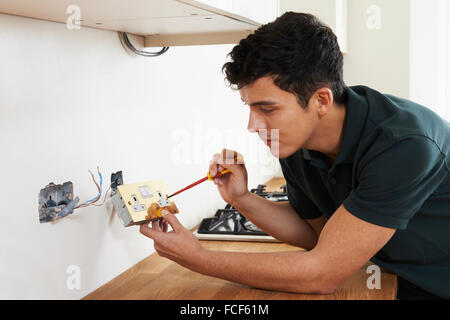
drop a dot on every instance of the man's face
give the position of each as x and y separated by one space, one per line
273 108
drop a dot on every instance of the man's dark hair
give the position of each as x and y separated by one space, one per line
297 50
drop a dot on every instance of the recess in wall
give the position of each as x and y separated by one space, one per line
56 200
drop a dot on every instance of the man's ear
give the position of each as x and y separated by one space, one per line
323 98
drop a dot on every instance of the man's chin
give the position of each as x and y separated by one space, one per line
276 152
281 153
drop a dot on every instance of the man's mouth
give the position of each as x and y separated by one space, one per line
269 142
269 139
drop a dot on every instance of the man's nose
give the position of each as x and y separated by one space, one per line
255 123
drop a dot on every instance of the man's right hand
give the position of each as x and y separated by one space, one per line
232 186
277 219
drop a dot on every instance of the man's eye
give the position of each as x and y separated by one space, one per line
266 110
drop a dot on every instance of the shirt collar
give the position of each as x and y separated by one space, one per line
354 123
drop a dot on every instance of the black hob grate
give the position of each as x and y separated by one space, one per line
229 221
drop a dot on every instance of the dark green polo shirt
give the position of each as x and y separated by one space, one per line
392 170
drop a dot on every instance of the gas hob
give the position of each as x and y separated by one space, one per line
230 224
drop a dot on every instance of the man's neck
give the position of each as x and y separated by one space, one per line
327 137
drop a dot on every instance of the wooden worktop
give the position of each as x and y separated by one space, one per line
159 278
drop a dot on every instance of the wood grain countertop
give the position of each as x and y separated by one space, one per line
158 278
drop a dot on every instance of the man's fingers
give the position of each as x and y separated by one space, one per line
172 220
165 225
214 164
156 225
147 231
232 157
227 159
228 156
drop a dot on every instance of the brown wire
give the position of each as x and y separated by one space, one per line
83 205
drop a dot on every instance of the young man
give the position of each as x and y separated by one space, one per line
367 174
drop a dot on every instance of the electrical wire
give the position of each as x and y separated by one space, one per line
104 198
125 40
99 188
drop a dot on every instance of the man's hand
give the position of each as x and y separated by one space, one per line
231 186
178 245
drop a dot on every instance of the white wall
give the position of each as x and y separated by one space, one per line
72 100
376 55
430 54
399 47
331 12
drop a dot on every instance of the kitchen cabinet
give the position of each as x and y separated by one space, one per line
158 22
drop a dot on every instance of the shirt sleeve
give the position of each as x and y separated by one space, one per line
301 203
394 184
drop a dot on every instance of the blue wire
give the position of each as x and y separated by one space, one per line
100 192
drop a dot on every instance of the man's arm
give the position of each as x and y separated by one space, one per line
345 245
280 220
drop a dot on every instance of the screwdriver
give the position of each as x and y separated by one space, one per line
208 177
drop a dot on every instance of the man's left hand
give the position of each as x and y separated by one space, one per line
178 245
